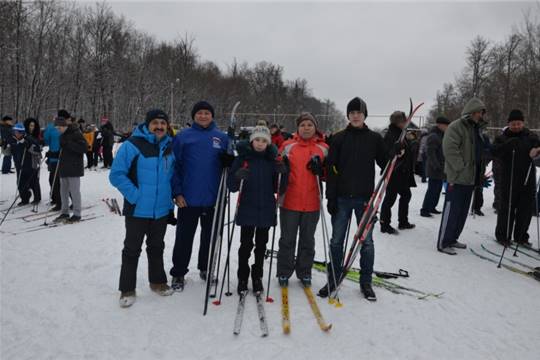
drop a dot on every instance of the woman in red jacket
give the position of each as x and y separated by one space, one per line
304 153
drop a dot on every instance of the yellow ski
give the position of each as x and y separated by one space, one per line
285 321
315 308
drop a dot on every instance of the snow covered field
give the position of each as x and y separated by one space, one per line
59 298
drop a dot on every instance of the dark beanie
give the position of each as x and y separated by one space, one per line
306 116
442 120
7 118
155 114
60 121
515 115
201 105
64 114
357 104
397 117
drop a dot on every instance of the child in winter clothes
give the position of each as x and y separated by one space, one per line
254 172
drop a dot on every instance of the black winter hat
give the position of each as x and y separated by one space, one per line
201 105
442 120
357 104
64 114
155 114
7 118
516 115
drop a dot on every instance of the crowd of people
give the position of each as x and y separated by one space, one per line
280 177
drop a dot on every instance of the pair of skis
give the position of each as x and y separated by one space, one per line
365 226
285 318
113 206
531 272
260 313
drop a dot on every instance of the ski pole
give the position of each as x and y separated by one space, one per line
537 187
53 182
268 298
528 174
508 233
219 233
346 241
228 293
17 192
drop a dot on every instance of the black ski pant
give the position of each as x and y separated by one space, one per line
433 194
136 230
55 187
389 200
478 198
456 209
107 156
244 252
188 219
90 159
28 180
520 215
295 223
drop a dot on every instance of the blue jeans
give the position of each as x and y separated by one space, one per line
339 228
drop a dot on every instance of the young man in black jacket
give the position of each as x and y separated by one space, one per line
402 178
522 145
350 182
71 168
434 167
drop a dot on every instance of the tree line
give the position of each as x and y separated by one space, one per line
97 64
505 75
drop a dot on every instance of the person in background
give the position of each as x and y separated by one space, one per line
89 134
107 142
51 138
5 135
277 137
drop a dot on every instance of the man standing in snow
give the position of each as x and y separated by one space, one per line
351 180
402 178
462 148
200 155
5 136
434 167
524 145
142 172
70 168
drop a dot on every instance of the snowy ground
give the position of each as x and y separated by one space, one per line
59 299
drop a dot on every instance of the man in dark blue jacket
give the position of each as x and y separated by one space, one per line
5 135
200 154
142 172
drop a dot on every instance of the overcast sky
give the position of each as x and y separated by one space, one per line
382 52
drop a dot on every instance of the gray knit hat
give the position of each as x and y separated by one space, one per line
260 132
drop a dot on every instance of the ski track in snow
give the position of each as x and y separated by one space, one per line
59 298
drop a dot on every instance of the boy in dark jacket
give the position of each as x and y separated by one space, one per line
402 178
255 169
70 168
200 154
142 172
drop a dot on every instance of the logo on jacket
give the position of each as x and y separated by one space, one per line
216 142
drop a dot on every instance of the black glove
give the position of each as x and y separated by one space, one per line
315 166
242 173
332 206
171 220
226 159
281 167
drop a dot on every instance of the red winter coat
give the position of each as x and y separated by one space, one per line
278 139
302 192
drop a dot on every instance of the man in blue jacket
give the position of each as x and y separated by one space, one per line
142 172
200 154
51 137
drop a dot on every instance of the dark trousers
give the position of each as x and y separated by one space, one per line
136 230
520 215
292 222
456 208
433 194
107 156
188 219
478 198
6 164
28 180
389 200
244 252
96 156
90 159
340 220
55 193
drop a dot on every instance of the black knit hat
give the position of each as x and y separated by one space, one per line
515 115
201 105
442 120
64 114
357 104
7 118
156 114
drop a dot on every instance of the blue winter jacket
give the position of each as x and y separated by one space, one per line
51 137
197 164
257 202
142 171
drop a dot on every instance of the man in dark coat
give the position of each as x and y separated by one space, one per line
70 168
515 149
402 178
107 142
434 167
5 136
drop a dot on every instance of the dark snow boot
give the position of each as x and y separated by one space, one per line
257 285
323 292
61 218
387 228
306 281
368 292
283 281
242 286
177 283
425 213
405 226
